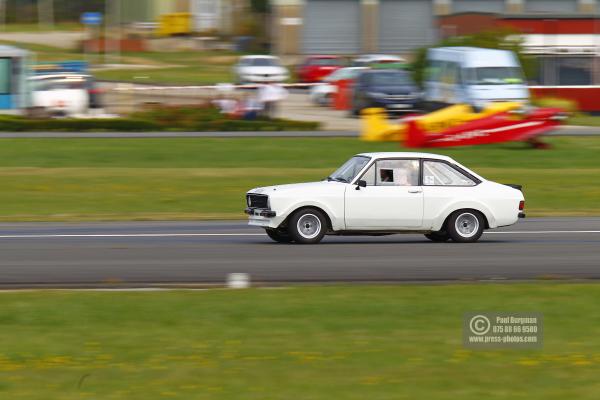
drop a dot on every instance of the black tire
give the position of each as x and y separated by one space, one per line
314 226
279 235
440 236
465 226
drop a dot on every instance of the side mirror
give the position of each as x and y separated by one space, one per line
360 184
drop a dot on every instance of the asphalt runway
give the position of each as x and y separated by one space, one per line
169 253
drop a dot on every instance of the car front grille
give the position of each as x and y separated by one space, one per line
399 97
257 200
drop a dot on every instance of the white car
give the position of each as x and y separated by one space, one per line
322 93
62 93
386 193
260 69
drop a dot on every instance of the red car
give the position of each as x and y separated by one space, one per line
315 68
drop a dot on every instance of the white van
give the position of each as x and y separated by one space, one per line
474 76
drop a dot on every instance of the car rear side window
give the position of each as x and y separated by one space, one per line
437 173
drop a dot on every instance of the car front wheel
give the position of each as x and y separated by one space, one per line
465 226
307 226
279 235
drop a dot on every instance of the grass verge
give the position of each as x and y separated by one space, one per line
153 179
401 342
175 68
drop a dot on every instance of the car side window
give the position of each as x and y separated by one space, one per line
393 173
436 173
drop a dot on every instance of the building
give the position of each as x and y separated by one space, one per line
567 46
149 10
387 26
214 16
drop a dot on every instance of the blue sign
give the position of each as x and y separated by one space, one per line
91 18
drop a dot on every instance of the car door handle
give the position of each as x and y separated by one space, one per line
415 191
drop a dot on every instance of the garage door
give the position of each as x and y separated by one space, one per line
491 6
405 25
551 6
331 27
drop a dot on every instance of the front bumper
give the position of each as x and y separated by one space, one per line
260 212
395 106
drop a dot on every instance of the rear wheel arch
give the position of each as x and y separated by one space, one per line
485 218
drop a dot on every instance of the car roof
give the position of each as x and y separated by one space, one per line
323 56
378 57
353 68
257 56
405 154
385 71
59 75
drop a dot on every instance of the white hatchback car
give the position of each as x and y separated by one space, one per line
386 193
260 69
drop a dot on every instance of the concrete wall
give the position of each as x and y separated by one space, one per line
287 28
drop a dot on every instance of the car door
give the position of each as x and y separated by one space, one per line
391 200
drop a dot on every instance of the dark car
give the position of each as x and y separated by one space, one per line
392 89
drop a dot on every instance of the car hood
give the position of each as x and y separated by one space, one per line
263 70
297 187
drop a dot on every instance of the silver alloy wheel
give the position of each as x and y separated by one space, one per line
467 225
309 226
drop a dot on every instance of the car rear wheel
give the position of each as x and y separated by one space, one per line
439 236
279 235
307 226
465 226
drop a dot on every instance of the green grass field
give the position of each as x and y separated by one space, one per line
154 179
177 68
391 342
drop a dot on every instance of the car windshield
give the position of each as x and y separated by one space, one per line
494 75
264 62
390 79
58 84
348 171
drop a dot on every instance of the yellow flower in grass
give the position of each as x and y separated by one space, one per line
528 362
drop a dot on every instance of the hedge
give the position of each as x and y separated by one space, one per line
158 119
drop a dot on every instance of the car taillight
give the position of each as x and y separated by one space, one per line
521 205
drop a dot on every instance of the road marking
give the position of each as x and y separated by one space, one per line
537 232
118 235
167 235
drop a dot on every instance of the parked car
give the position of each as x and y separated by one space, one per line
475 76
391 89
260 69
315 68
64 94
323 93
386 193
368 60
